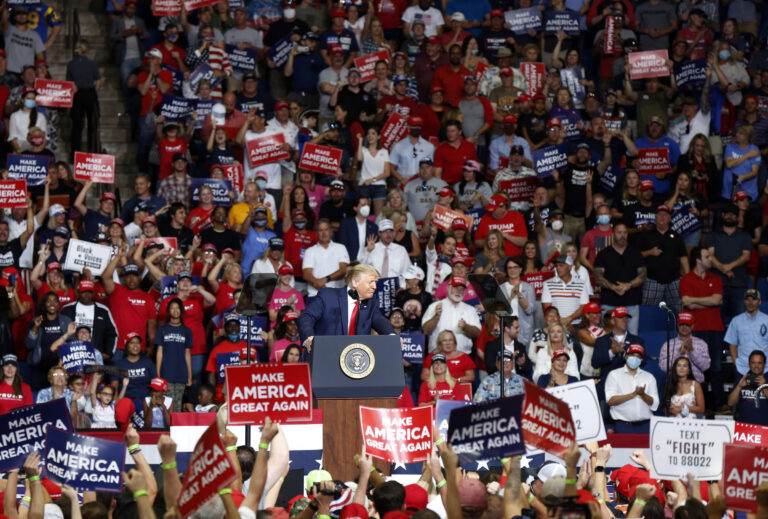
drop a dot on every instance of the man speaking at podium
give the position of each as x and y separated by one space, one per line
350 310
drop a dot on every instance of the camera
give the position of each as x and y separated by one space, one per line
752 380
302 49
335 492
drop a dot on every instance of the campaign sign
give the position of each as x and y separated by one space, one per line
168 244
480 71
401 435
533 72
679 446
537 279
95 167
320 159
258 325
76 355
443 217
490 430
84 254
413 347
366 64
571 125
54 93
22 430
750 434
21 3
443 408
203 71
282 392
234 173
546 421
32 168
549 158
13 194
226 359
571 79
683 221
609 42
653 160
169 285
385 294
519 189
219 186
394 130
84 462
280 51
162 8
649 63
566 21
746 468
581 398
109 370
203 109
266 150
178 76
520 21
191 5
693 72
176 108
243 60
208 471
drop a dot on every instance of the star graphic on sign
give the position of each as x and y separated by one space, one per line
319 463
399 466
525 462
482 464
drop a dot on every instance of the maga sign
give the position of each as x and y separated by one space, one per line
519 189
394 130
490 430
443 217
650 63
76 355
54 93
320 159
679 446
521 20
32 168
545 160
366 64
413 347
84 462
267 149
746 468
282 392
219 187
533 72
653 160
22 430
397 435
547 423
13 194
95 167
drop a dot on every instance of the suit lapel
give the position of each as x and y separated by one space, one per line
342 295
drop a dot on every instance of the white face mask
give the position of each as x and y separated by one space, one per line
557 225
289 13
365 211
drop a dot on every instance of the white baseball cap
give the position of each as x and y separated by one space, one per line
414 272
386 225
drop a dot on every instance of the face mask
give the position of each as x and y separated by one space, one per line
262 184
474 52
604 219
173 37
289 13
414 132
37 140
300 225
29 103
208 39
557 225
261 222
634 362
724 54
233 337
365 211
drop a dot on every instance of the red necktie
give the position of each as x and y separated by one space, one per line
353 319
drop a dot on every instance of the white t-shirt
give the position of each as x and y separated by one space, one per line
274 175
432 19
324 261
373 166
449 320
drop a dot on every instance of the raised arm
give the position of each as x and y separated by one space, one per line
80 200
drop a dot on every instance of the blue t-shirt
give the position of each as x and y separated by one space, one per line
306 72
140 373
40 17
93 220
472 9
174 340
750 186
748 413
345 38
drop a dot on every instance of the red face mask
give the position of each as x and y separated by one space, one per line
37 140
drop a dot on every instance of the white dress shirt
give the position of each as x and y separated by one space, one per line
449 320
324 261
398 260
621 382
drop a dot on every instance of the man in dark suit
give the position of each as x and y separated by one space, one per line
345 311
351 227
610 349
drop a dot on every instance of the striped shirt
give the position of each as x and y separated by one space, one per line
566 297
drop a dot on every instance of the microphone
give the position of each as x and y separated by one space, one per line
663 306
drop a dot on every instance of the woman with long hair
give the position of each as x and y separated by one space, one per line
55 281
742 162
291 354
374 168
396 202
700 163
460 364
374 39
470 49
296 200
349 129
684 395
589 331
272 259
491 259
531 257
404 236
13 391
473 190
316 193
284 294
521 297
557 339
685 200
400 66
557 375
414 299
285 333
578 271
199 218
572 61
47 327
438 384
25 118
740 42
224 288
464 245
564 108
628 194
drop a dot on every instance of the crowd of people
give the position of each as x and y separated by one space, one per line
575 251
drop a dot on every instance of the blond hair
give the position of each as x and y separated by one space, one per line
358 270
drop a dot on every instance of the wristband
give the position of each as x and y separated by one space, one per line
439 441
323 516
139 493
600 469
282 479
441 484
264 446
639 502
571 481
233 448
601 500
28 499
531 497
134 446
225 491
373 469
169 466
505 460
32 479
134 451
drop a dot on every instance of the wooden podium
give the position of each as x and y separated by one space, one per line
337 362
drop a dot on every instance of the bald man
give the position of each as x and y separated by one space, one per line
233 118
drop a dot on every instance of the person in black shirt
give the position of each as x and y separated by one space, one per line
336 208
745 397
666 259
360 104
174 226
523 365
639 217
10 250
220 234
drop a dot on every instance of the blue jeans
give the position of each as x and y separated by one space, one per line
634 321
627 428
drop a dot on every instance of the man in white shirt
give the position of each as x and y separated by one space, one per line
452 314
425 13
565 292
631 394
390 259
421 193
407 154
281 123
325 263
696 117
254 128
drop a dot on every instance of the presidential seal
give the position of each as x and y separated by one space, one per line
357 361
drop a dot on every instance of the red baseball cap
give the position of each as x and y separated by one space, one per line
290 315
210 247
118 221
663 209
458 223
435 89
458 281
497 12
497 202
620 311
554 122
338 12
523 98
86 285
133 335
285 269
416 498
281 104
108 196
510 119
560 353
636 348
158 384
685 318
446 192
149 219
462 259
228 251
415 120
357 511
434 40
336 49
592 308
740 195
9 271
506 71
646 184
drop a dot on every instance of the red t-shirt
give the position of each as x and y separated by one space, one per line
146 102
707 319
689 35
405 106
451 160
225 298
213 366
441 390
452 82
66 295
194 310
512 223
167 149
168 58
390 13
9 400
199 219
296 243
21 324
131 310
596 240
457 367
